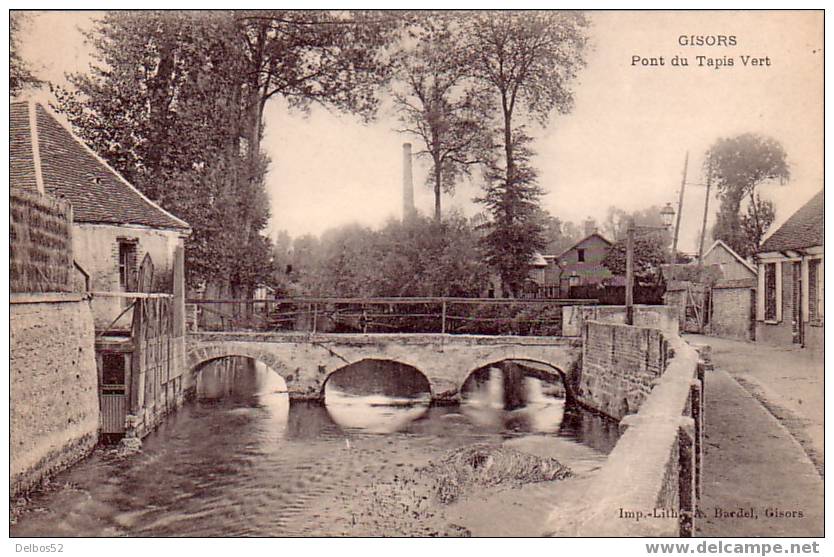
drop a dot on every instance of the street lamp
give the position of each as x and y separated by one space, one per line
666 214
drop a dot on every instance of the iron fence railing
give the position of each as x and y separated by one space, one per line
483 316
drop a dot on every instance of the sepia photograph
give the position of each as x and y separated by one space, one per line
290 273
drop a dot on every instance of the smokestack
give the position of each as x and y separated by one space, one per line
408 184
590 226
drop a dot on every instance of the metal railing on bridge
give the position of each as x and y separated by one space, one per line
479 316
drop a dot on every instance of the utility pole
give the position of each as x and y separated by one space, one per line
706 208
680 210
629 293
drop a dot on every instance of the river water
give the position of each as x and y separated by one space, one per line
242 461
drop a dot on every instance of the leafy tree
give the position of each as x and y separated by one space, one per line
738 166
760 215
437 104
161 104
527 60
514 234
20 73
417 258
649 254
175 101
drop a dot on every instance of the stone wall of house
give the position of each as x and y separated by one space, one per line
620 365
657 317
96 249
731 311
54 385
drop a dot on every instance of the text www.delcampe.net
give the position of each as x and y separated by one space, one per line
740 548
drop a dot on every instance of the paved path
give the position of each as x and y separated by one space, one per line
753 464
787 380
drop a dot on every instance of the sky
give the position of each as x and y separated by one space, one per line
622 145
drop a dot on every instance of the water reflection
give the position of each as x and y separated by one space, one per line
374 413
244 461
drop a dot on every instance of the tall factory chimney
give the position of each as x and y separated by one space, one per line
408 184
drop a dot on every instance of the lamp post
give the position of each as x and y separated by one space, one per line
667 214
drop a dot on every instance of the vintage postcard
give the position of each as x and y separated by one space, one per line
401 273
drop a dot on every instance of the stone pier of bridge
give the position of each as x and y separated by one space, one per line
305 361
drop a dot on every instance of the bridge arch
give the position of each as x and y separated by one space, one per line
426 380
198 358
558 374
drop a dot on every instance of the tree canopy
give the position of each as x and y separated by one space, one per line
437 102
737 166
175 100
20 72
528 60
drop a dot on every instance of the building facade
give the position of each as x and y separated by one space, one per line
130 253
790 293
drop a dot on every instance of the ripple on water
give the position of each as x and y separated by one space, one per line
256 466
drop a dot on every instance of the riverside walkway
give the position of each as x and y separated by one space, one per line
760 480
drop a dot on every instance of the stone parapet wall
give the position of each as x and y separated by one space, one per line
620 366
54 386
658 317
651 481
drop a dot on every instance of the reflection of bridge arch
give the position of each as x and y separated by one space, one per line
411 368
556 375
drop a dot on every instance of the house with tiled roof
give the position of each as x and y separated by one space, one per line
578 265
790 293
115 226
131 252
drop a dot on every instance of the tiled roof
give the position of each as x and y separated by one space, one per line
71 170
580 242
21 164
803 229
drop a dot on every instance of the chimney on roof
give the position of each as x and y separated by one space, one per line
590 226
408 184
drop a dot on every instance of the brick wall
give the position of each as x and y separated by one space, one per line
620 365
731 312
54 397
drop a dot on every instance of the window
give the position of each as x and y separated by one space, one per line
770 292
127 264
580 255
814 290
112 369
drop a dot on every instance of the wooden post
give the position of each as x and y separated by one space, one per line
443 318
629 293
680 210
686 476
706 209
315 315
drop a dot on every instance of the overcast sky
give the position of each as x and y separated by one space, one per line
623 144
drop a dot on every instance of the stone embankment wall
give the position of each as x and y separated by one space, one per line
651 481
54 385
620 366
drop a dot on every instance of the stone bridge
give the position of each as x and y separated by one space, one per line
305 361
